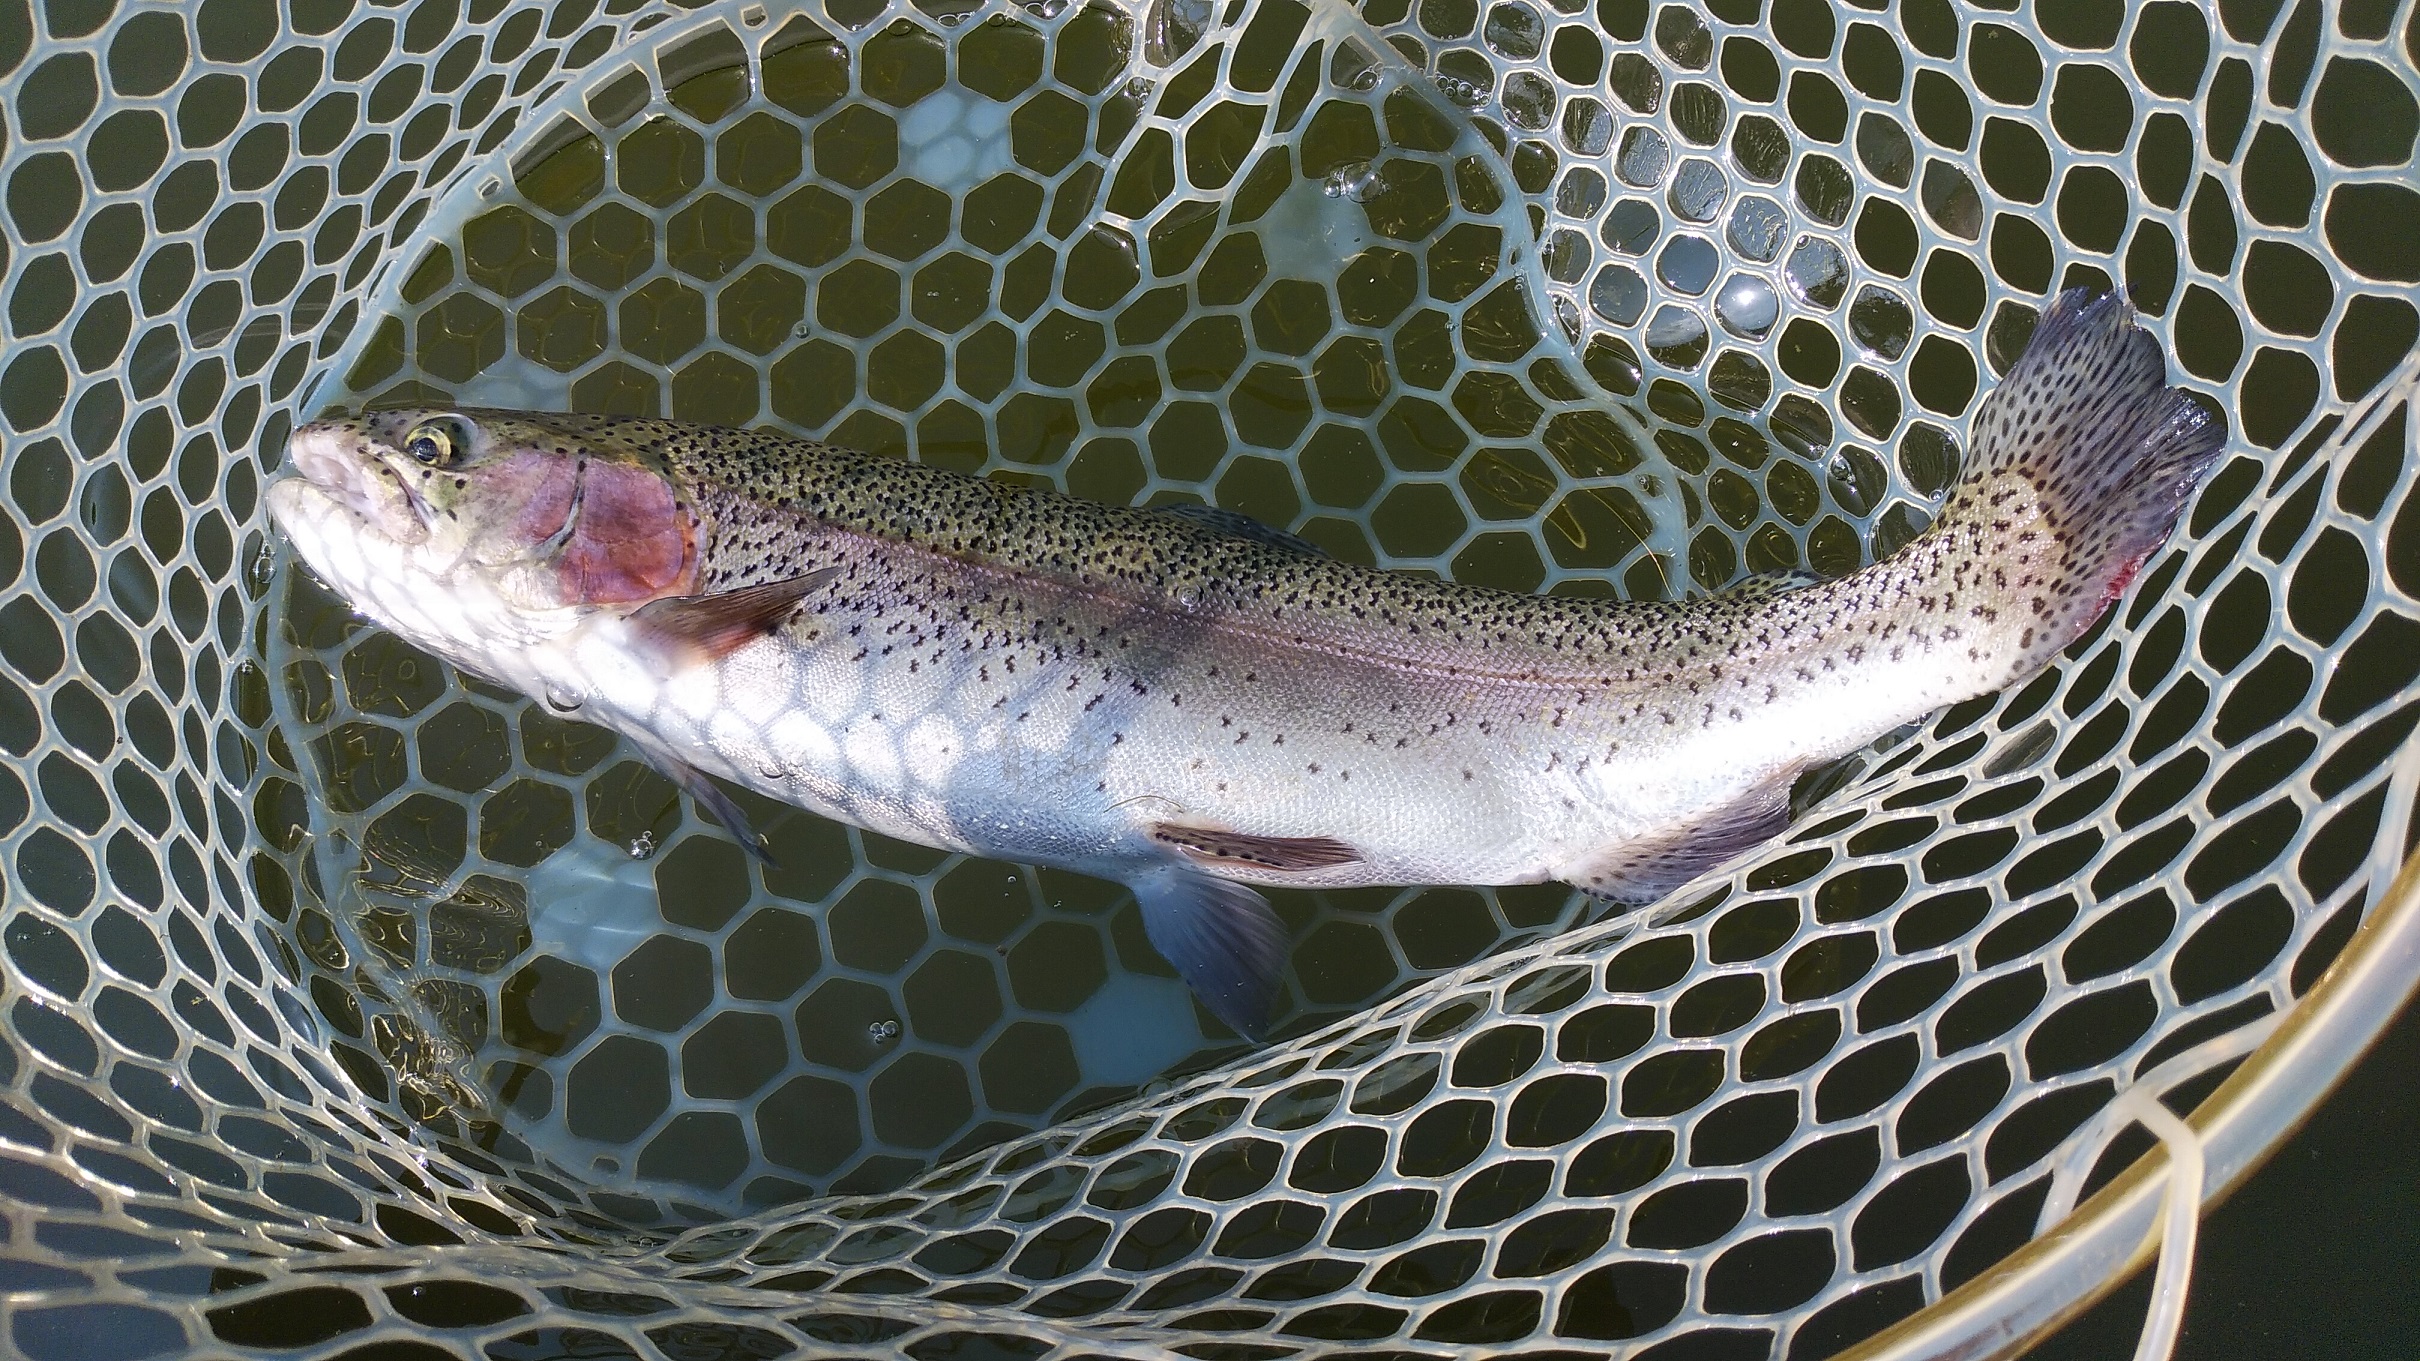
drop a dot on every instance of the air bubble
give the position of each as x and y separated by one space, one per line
1567 317
297 1015
883 1031
562 698
1747 306
1677 336
642 845
1619 294
1468 94
1688 264
1881 322
1354 180
1817 272
1758 227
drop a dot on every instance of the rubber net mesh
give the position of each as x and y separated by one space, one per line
349 1001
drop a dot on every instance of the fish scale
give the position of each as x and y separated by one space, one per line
1166 701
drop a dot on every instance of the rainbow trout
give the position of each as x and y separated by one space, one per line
1191 703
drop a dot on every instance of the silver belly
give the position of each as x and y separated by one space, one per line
1010 754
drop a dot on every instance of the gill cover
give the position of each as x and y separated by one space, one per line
612 529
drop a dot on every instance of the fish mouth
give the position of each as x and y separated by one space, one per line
341 462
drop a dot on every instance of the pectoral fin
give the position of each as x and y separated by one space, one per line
1224 940
709 627
700 786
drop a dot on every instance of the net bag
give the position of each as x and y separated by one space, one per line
351 1006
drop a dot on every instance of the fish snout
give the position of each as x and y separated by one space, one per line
338 458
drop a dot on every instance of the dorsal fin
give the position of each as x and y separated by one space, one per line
1236 524
1778 582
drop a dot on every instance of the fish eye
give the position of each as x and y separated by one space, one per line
435 444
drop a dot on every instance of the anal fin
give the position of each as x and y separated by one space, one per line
1644 869
709 627
1225 941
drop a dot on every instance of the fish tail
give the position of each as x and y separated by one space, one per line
2079 467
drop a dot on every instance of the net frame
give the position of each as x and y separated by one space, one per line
2240 1125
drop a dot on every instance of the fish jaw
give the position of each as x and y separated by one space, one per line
406 582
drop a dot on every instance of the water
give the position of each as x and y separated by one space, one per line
861 250
1016 274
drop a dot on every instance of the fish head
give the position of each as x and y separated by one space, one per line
467 529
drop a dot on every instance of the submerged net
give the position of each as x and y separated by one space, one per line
348 1000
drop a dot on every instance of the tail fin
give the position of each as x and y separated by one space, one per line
2085 439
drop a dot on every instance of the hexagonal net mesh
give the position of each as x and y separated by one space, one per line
350 1000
